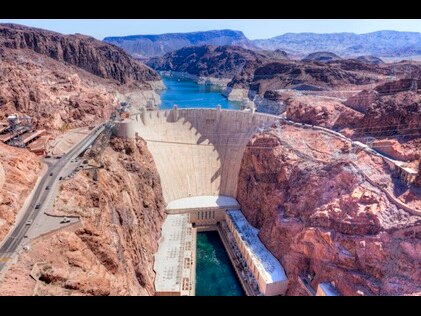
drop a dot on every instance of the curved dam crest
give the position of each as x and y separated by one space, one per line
197 152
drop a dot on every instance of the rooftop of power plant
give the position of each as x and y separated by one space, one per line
268 265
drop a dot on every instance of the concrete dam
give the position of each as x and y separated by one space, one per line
197 152
198 155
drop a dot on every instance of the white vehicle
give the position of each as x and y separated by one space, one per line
29 222
65 220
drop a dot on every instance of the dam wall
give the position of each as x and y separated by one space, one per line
197 151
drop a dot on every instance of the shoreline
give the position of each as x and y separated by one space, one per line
248 97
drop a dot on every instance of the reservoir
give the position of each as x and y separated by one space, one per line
215 275
188 94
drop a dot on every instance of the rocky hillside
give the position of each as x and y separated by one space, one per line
111 251
19 171
381 43
208 61
321 57
322 219
99 58
263 71
158 45
302 76
65 81
389 109
418 180
373 60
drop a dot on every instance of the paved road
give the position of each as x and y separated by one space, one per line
42 196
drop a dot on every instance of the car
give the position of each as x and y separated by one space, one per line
37 206
65 220
51 174
61 178
47 188
29 222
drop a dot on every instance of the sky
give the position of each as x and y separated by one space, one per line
253 29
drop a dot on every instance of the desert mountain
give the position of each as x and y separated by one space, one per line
158 45
381 43
321 57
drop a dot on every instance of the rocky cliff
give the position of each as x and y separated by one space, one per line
110 252
418 179
322 219
302 76
65 81
99 58
19 171
389 109
208 61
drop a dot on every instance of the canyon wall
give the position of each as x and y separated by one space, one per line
321 218
64 82
97 57
19 171
110 251
67 81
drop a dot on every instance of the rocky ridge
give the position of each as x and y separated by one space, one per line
99 58
158 45
19 171
321 219
110 252
321 57
380 43
208 61
65 81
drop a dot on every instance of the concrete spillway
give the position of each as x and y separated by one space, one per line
197 151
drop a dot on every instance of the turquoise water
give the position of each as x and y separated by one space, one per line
215 275
188 94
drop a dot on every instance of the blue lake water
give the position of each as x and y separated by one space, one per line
215 275
188 94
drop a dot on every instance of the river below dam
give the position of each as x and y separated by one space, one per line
188 94
215 275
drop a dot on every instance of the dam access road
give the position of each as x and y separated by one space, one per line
43 195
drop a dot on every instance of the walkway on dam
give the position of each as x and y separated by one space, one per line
198 202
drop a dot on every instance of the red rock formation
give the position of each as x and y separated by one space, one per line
57 96
208 61
302 76
318 216
66 81
391 108
321 112
97 57
393 149
418 180
111 251
19 171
